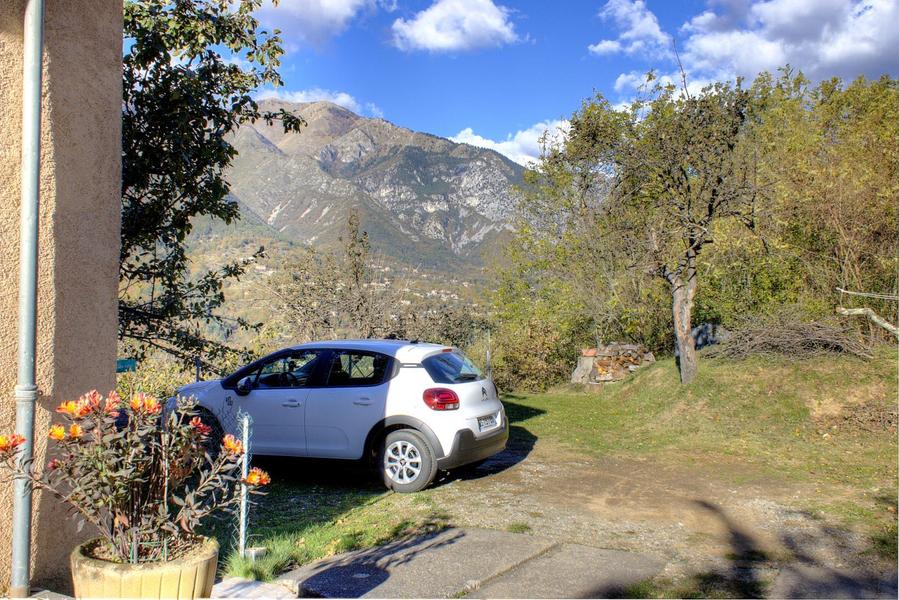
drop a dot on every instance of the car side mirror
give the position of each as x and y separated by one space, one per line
244 386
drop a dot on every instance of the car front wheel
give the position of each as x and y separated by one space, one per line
406 461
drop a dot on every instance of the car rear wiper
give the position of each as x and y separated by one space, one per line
467 377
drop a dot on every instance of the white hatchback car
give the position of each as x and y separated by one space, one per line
412 408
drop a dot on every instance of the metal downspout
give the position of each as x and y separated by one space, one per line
26 392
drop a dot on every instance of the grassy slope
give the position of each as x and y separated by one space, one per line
764 413
756 412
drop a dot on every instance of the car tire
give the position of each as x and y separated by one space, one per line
406 461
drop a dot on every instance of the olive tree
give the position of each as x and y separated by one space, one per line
642 190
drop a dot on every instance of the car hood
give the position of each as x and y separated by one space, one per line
199 388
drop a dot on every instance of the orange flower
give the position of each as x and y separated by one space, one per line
84 408
137 401
91 400
11 442
257 476
113 402
57 432
200 427
232 445
69 407
152 406
141 402
75 431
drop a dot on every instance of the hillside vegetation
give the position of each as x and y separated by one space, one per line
728 205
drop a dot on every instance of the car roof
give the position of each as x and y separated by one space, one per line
402 350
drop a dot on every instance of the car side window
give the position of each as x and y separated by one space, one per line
355 367
292 370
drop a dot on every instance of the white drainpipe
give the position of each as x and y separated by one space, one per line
26 387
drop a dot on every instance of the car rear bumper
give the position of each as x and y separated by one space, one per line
467 448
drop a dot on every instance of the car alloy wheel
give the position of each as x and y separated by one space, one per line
402 462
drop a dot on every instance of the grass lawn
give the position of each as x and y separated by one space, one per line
829 421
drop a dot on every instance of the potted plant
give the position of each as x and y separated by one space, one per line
144 478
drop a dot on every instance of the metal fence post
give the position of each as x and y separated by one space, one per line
244 491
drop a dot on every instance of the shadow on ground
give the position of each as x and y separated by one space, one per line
309 499
358 477
356 574
751 572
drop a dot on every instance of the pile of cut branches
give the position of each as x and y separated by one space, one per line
786 334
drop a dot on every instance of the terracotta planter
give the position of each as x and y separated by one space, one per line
190 576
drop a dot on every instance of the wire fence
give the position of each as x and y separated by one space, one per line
239 423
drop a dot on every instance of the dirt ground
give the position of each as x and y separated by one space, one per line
722 528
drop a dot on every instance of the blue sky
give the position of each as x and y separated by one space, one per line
497 73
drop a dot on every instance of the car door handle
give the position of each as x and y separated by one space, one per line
291 404
362 402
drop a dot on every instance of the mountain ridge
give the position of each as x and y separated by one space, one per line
422 198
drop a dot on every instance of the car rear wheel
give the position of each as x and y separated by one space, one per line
406 461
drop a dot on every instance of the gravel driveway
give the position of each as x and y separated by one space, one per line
720 527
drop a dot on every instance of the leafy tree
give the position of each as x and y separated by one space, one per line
364 307
680 170
182 102
642 191
830 155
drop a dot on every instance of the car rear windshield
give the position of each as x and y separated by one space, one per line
451 367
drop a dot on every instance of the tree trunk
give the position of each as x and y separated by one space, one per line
682 292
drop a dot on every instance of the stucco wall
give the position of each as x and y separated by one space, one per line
79 230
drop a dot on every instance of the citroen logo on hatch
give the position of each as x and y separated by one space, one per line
483 394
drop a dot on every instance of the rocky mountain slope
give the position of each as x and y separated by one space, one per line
424 200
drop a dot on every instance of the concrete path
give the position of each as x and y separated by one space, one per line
236 587
475 562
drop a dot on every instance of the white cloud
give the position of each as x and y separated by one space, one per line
523 146
631 80
741 38
318 94
605 47
314 21
452 25
374 110
639 30
823 38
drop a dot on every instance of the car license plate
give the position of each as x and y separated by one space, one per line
487 422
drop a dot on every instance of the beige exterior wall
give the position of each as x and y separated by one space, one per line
79 231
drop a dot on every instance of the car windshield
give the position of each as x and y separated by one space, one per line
451 367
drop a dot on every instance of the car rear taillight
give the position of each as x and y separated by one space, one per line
441 399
